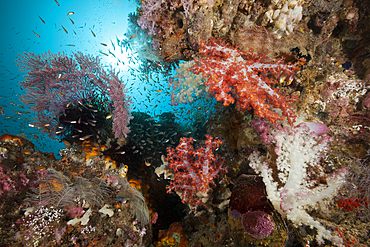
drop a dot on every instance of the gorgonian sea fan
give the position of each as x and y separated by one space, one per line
54 81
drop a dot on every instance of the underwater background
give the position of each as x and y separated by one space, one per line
185 123
93 28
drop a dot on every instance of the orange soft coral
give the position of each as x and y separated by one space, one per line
234 75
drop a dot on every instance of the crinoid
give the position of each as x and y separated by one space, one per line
54 189
135 198
58 191
90 192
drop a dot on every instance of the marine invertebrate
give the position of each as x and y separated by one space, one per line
12 138
132 196
42 226
252 218
258 224
121 106
194 170
234 75
54 189
173 236
153 11
259 40
6 184
341 95
359 185
57 190
284 19
56 81
92 192
293 187
162 19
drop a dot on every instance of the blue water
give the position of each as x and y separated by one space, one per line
95 27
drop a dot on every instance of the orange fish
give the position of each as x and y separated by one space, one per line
93 33
159 91
133 36
36 137
72 21
57 2
2 110
26 151
67 143
71 13
65 30
36 34
42 20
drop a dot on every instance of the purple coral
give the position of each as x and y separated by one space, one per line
54 81
6 184
12 182
150 14
121 112
258 224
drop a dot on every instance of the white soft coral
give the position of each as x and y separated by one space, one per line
299 153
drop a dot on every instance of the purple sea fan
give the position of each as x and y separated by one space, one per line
121 112
54 81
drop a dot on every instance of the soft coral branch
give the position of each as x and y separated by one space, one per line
235 75
194 169
293 180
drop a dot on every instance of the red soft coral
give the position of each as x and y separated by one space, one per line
247 77
194 169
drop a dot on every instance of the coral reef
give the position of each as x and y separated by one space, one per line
288 164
